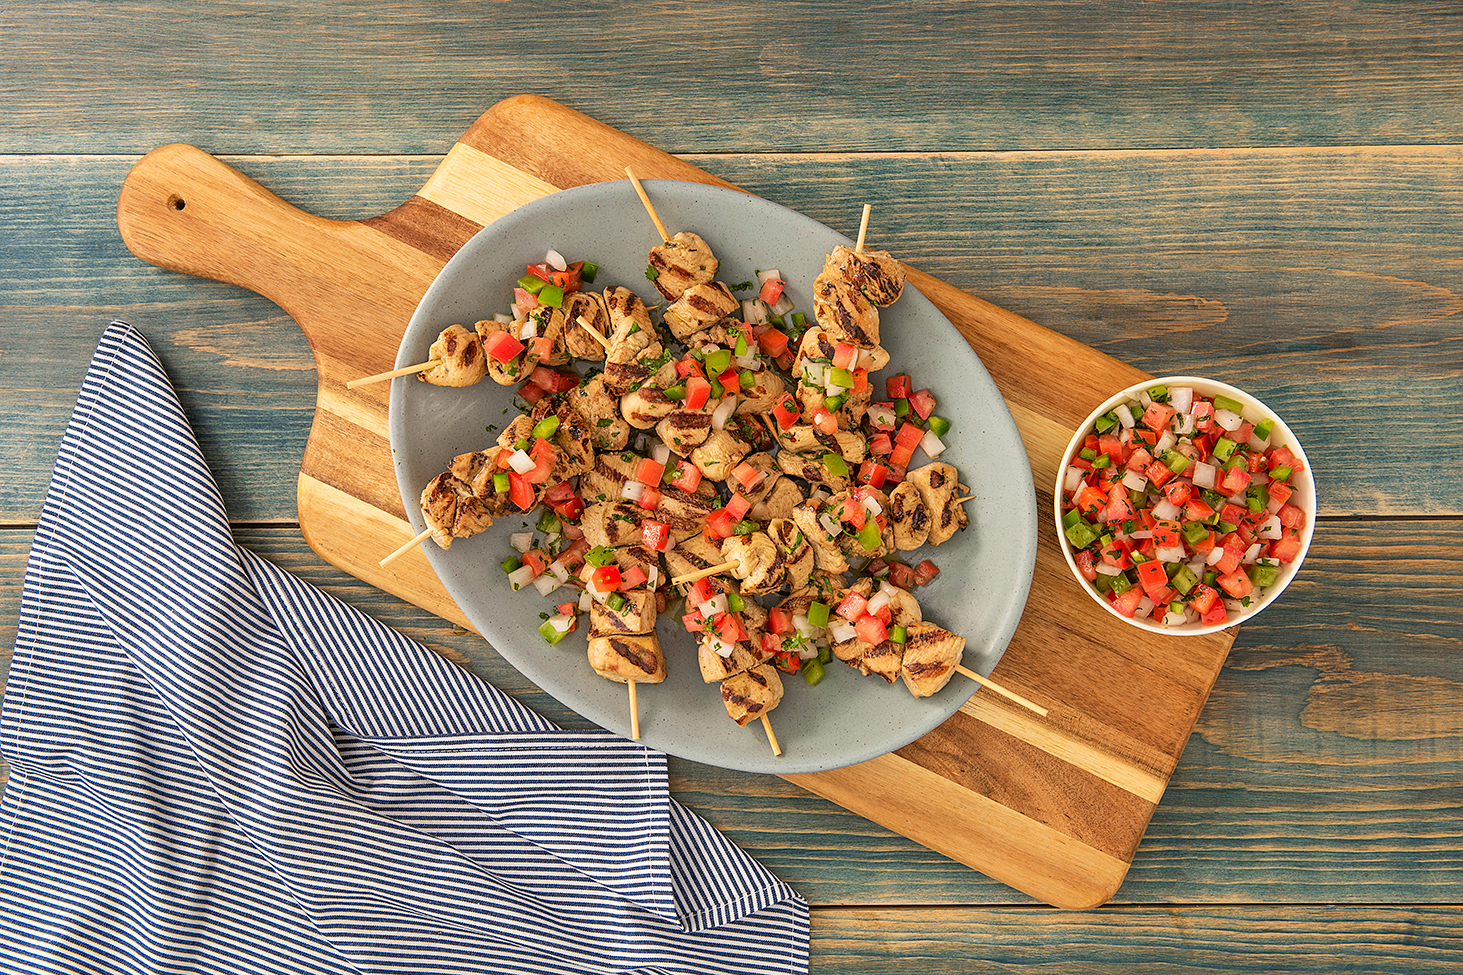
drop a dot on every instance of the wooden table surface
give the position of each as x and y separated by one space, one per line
1270 195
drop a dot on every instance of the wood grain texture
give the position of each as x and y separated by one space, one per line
794 76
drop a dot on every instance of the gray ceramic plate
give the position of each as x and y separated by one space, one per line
985 571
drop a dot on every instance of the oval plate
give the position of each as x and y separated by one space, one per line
985 571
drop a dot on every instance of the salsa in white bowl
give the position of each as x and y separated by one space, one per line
1184 505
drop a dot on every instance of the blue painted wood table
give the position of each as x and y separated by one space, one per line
1268 196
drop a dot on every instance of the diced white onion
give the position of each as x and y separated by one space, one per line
880 416
1183 424
528 329
584 601
1145 607
632 491
1270 528
754 311
1125 416
516 312
714 606
660 453
520 577
749 360
1274 506
723 411
1145 399
1170 553
1215 555
771 274
871 505
1105 569
841 631
877 602
546 584
832 527
1228 419
652 578
807 651
803 625
562 622
1181 398
1140 534
722 649
1073 480
1251 553
505 319
1166 510
783 305
1165 442
1257 443
521 462
558 571
815 373
1174 619
556 260
1132 480
932 445
1203 475
521 541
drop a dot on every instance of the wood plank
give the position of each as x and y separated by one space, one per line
976 75
1287 792
1100 246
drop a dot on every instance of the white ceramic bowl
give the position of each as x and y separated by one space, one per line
1302 483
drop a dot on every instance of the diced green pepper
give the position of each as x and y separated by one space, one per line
718 362
1176 461
1194 532
813 671
868 536
1105 422
818 614
734 603
1281 473
1184 579
1081 534
588 271
546 427
1159 393
551 633
1224 449
1263 574
1222 402
501 482
1119 583
835 464
838 376
600 556
676 392
551 295
532 283
615 601
1263 428
898 634
548 522
939 425
834 403
510 564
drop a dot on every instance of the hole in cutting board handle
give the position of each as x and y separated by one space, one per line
177 202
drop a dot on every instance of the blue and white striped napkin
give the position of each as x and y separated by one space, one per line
215 767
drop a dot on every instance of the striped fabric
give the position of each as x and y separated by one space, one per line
216 768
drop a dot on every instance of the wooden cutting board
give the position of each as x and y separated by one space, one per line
1054 807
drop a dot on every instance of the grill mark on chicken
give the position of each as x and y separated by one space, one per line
909 519
683 431
451 510
628 658
877 275
698 308
590 306
844 311
937 484
930 656
751 694
607 429
459 358
681 262
636 616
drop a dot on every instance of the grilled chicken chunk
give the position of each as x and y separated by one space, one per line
684 430
718 660
930 656
642 408
827 556
882 659
589 306
451 510
762 462
939 484
803 438
573 440
794 551
606 479
628 658
848 541
845 311
636 616
681 262
459 358
612 523
819 344
632 341
876 274
763 395
685 512
909 518
698 308
607 429
692 555
515 370
720 452
757 565
779 502
751 694
810 467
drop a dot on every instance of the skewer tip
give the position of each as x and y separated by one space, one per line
863 228
426 533
771 738
986 682
634 713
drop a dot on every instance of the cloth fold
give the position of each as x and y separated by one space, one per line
217 767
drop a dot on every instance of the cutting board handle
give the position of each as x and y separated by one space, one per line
184 210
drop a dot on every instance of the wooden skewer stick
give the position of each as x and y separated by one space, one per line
703 573
584 323
863 228
426 533
664 236
634 713
380 376
771 738
968 497
987 682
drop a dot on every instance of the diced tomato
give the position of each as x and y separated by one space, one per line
852 606
922 401
784 660
689 365
531 393
730 628
779 621
540 347
1157 416
1139 460
520 491
897 387
1236 583
1291 517
1127 603
720 523
1282 457
569 509
1203 413
632 577
844 355
1279 493
1178 493
526 301
786 411
738 506
748 475
901 575
572 557
694 622
881 444
686 476
1286 548
544 455
1234 549
849 511
873 474
731 380
1158 473
545 378
1089 500
698 390
909 435
501 346
1086 563
824 422
1215 615
655 535
648 470
570 279
785 360
871 629
1235 479
1196 510
773 341
605 578
1201 597
700 591
860 381
1152 577
925 573
1116 554
771 290
1205 545
537 560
